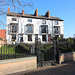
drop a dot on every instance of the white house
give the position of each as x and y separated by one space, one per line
25 28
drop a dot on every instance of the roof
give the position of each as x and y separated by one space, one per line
33 16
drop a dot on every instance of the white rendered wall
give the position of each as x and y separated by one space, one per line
22 22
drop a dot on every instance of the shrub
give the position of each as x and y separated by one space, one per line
22 49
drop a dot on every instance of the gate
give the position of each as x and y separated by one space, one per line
45 53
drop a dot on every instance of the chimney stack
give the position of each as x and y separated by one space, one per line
23 12
47 14
36 13
8 9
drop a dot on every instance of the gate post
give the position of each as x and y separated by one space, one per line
74 44
54 41
38 51
56 52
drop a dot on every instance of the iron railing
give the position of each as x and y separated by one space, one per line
14 51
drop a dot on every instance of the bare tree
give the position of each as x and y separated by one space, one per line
18 5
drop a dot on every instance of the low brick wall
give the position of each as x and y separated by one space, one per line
63 57
17 65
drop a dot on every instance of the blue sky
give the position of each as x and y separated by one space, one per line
64 9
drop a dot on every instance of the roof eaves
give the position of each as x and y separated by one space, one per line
32 16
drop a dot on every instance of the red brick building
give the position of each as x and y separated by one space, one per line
3 34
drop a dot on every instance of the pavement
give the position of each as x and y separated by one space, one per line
59 69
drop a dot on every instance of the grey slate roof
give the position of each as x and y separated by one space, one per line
33 16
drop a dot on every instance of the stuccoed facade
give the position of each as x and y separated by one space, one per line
25 28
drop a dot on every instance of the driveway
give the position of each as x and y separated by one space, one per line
63 69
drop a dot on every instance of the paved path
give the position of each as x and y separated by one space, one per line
64 69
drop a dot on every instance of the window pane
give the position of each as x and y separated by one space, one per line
44 29
14 37
29 20
29 29
14 29
13 19
56 23
43 22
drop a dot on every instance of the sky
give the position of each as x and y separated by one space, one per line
64 9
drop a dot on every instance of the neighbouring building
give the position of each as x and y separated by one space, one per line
3 34
2 37
25 28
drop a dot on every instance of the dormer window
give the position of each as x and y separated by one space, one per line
13 19
43 22
29 20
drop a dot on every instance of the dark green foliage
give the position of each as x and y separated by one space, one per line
48 52
66 45
22 49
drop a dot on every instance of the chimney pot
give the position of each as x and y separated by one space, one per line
23 12
36 13
47 14
8 9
